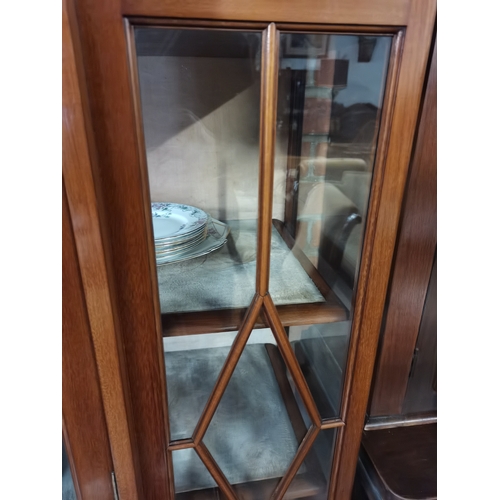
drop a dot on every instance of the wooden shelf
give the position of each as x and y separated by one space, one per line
329 310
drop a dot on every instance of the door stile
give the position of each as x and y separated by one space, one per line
79 160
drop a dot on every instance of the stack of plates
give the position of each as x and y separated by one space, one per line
183 232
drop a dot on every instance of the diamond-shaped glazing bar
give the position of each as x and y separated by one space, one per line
290 360
228 369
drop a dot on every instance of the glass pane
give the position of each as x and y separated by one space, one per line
68 487
330 96
200 100
258 426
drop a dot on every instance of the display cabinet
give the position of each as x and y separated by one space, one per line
234 175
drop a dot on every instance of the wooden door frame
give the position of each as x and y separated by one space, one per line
99 437
136 367
85 433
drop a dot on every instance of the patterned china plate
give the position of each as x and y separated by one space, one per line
171 220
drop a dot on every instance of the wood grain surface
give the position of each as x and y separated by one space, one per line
84 422
268 110
421 392
78 156
384 12
402 462
122 198
412 267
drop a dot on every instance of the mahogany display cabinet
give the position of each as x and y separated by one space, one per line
233 175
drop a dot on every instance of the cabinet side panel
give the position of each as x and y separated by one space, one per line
412 265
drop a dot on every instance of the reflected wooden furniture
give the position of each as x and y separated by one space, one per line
104 164
399 449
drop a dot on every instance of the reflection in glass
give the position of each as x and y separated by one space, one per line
330 95
200 98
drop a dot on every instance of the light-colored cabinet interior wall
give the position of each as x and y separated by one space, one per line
201 125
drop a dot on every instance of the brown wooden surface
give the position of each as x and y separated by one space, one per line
380 238
268 110
135 89
412 265
84 423
181 444
78 156
421 393
402 461
123 191
333 27
388 12
121 198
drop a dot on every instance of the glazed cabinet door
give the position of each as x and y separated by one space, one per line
248 177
